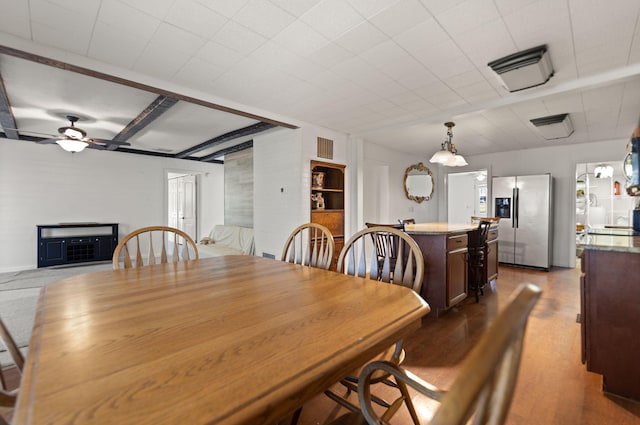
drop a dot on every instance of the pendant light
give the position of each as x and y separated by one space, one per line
448 155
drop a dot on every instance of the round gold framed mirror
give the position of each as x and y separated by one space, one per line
418 183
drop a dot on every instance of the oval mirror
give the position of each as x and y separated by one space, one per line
418 183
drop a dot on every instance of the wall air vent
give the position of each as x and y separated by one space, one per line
525 69
554 126
325 148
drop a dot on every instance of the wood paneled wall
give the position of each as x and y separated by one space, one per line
238 188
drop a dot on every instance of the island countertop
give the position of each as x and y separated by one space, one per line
439 228
615 239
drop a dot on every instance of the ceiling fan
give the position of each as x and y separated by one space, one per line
74 139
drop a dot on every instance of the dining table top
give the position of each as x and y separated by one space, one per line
225 340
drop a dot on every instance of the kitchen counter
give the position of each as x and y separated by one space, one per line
444 249
609 296
611 239
440 228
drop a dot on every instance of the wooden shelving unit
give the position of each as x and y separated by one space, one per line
330 185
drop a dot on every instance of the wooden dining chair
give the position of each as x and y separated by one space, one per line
484 385
358 258
476 256
8 396
310 244
172 244
386 244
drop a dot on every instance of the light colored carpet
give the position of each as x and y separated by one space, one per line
19 293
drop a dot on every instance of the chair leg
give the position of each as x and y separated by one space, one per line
296 416
407 400
472 281
476 284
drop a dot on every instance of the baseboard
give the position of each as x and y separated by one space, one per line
9 269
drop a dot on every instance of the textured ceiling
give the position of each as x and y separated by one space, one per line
389 71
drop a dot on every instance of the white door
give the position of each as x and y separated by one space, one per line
187 205
172 200
182 204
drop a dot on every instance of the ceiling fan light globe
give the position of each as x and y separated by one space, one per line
441 157
71 145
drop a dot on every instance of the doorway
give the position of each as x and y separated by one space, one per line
182 203
602 201
467 196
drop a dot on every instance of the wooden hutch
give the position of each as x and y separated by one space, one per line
327 201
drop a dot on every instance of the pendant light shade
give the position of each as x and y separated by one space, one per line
448 155
441 157
456 161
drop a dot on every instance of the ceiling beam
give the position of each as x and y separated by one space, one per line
162 154
23 137
7 120
129 83
158 107
122 149
235 134
237 148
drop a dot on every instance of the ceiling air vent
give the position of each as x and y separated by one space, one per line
528 68
554 126
325 148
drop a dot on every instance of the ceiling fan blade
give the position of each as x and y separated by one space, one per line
111 142
30 132
47 141
96 146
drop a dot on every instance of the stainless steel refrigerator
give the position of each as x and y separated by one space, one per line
524 205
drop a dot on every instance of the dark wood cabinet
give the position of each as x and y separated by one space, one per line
609 297
327 182
491 256
457 275
72 243
445 252
445 277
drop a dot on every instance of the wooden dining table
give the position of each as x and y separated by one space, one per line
226 340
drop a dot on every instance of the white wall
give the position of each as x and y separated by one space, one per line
561 162
282 180
42 184
384 200
277 189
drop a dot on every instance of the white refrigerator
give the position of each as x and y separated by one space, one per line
524 205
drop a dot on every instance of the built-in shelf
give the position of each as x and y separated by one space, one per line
332 192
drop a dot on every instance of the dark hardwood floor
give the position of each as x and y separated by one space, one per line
553 385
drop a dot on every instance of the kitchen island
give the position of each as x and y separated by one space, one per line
610 308
444 247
